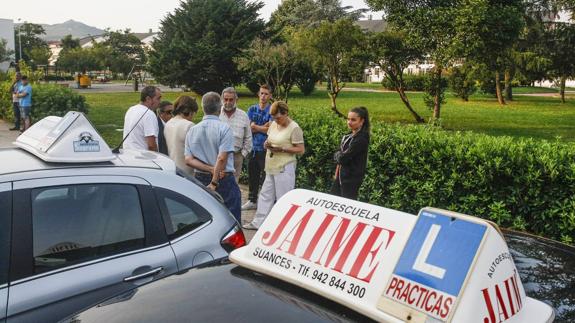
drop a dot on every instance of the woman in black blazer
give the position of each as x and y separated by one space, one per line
351 158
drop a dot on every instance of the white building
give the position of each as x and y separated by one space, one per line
7 33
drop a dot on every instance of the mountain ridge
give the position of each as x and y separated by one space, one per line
70 27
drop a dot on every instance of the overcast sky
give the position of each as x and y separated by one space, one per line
138 15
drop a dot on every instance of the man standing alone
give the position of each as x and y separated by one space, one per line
16 101
240 124
140 123
260 119
209 150
25 95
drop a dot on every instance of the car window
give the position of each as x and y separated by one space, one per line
181 214
5 228
76 223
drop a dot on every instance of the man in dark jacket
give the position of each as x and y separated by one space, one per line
164 115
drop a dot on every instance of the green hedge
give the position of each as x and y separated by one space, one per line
47 100
521 184
414 82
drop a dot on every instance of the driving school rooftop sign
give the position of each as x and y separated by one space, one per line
389 265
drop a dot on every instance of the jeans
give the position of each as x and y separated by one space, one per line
16 108
229 190
256 165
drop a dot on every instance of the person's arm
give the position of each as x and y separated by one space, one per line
264 128
248 144
298 149
358 145
151 142
22 94
219 167
198 164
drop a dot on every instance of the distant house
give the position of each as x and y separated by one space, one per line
145 38
55 47
7 33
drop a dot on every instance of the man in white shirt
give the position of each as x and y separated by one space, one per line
240 124
140 123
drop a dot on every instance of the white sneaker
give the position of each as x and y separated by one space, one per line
249 226
249 205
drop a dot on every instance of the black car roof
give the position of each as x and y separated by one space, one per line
220 292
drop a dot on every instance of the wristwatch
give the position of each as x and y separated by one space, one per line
214 183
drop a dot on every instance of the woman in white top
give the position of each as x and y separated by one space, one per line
285 141
176 129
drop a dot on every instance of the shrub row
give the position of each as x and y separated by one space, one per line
520 184
47 100
414 82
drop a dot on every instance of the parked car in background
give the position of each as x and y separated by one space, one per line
279 276
79 223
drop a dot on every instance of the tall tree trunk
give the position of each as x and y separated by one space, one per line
500 98
333 96
562 88
405 100
436 97
508 87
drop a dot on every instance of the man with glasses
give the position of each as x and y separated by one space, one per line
165 111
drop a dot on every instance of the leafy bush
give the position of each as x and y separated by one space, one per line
521 184
412 83
462 82
54 100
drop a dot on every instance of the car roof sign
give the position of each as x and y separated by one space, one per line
440 266
68 139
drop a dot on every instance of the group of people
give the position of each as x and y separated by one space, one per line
21 92
214 150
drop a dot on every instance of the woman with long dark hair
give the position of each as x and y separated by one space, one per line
351 158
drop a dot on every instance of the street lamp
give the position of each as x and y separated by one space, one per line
20 40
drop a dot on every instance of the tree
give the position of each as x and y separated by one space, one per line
495 31
29 34
561 45
124 51
275 65
69 43
428 26
461 81
333 47
310 13
389 50
78 60
5 53
199 42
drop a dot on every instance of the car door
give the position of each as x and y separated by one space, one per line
194 242
83 239
5 229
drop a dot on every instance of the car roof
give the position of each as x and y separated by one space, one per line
16 160
72 141
220 292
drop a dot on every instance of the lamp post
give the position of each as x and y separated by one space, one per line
20 40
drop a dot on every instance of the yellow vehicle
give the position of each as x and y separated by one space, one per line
83 81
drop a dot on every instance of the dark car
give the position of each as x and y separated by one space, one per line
199 295
262 289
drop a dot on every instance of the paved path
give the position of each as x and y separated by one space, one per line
7 136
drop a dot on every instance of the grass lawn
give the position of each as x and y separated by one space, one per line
526 116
